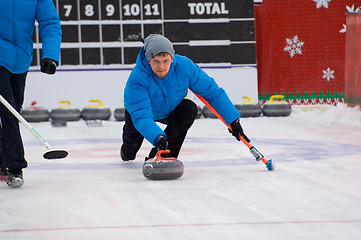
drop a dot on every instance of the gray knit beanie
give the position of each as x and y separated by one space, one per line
155 44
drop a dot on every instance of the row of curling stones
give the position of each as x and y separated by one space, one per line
94 114
271 108
163 168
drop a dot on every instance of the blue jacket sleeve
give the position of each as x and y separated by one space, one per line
205 86
137 103
49 29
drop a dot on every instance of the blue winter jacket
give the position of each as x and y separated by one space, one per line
148 98
17 19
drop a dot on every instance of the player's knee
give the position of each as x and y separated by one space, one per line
191 109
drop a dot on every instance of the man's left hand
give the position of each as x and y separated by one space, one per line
238 130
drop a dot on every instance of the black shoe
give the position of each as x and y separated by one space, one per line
15 178
124 154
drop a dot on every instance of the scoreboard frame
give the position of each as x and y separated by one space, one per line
100 33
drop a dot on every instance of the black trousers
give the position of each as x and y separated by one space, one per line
12 88
178 123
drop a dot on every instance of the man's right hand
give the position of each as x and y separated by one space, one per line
237 130
48 66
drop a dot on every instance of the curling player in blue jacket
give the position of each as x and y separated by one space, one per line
17 20
156 91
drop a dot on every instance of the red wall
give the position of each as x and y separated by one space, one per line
315 74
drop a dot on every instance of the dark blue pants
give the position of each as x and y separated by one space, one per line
178 123
12 88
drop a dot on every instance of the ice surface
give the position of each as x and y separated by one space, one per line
314 193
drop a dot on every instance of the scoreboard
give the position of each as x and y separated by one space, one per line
108 32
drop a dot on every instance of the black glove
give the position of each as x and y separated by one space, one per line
162 143
48 66
238 130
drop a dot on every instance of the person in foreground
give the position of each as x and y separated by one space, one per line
17 20
156 91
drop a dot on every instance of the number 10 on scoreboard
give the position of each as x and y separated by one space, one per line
129 10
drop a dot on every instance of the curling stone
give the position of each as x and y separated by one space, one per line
63 114
96 112
199 112
276 108
249 108
207 113
119 114
34 113
162 168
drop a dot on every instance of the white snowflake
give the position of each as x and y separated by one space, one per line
343 30
322 3
351 10
294 46
328 74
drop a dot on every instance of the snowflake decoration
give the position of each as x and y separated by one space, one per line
343 30
322 3
350 10
328 74
294 46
